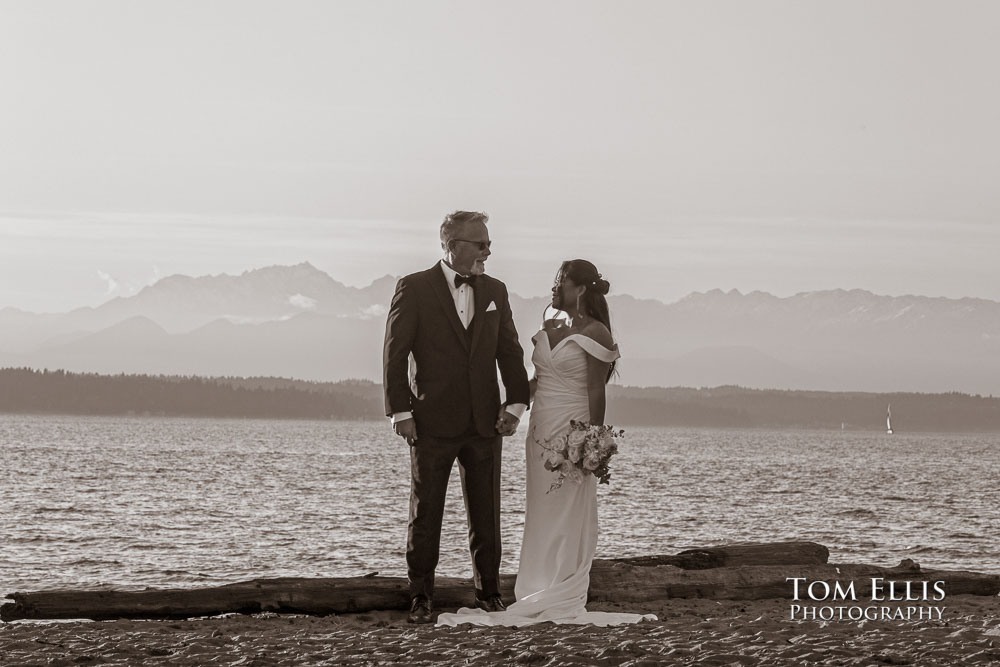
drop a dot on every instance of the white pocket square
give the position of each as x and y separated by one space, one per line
492 306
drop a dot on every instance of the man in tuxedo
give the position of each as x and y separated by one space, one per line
455 323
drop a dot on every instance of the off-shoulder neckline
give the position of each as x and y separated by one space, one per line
548 342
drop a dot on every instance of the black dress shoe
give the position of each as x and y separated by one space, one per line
420 610
492 603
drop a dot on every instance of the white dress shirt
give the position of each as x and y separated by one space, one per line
465 304
463 295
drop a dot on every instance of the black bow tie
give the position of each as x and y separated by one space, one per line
460 280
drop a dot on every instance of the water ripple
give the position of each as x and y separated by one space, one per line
135 502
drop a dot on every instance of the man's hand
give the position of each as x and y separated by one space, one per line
406 429
506 422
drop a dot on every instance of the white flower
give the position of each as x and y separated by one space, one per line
581 451
576 438
553 459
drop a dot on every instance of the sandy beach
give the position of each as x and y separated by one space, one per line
690 631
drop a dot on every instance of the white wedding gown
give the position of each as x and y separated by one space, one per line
560 528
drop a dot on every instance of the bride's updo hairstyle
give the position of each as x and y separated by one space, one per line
582 272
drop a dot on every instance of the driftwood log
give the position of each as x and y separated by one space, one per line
618 582
748 571
740 553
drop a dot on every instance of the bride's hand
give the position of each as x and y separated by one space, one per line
499 425
506 422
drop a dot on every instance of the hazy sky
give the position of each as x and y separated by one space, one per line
779 146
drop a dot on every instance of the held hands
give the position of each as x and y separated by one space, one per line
506 422
506 425
406 429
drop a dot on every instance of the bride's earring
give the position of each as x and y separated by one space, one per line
579 313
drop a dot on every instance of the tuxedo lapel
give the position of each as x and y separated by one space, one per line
440 287
482 297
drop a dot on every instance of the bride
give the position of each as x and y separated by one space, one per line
573 362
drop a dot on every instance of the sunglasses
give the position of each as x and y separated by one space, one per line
483 245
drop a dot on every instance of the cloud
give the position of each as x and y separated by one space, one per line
112 284
375 310
303 302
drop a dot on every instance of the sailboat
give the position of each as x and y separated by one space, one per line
888 419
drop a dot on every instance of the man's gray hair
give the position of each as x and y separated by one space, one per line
455 222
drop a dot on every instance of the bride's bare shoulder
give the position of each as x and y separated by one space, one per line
600 333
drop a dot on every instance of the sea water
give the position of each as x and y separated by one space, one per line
135 502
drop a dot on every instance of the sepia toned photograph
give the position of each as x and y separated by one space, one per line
478 333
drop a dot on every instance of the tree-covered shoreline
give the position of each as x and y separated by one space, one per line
24 390
30 391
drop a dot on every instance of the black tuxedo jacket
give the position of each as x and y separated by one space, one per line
456 369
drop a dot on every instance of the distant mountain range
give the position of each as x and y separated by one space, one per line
298 322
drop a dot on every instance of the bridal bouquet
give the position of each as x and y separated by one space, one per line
583 450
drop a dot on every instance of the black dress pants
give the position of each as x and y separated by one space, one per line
431 461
